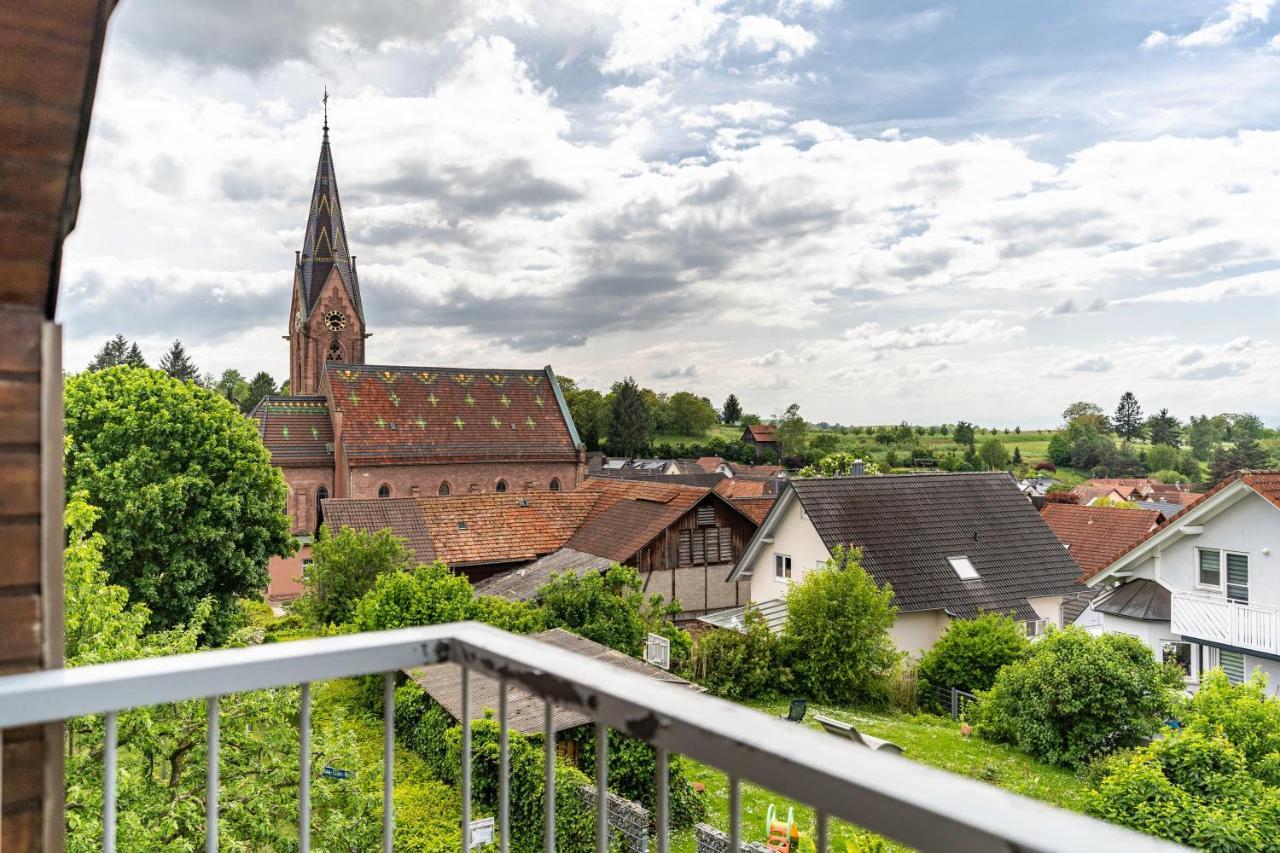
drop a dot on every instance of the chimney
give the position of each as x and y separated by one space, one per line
858 469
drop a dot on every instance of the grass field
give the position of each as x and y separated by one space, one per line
930 740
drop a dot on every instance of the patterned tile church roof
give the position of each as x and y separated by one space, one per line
407 415
296 430
325 244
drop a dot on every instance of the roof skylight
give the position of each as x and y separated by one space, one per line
964 568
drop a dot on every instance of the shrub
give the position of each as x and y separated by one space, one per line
1059 450
632 765
1047 467
1243 714
345 567
428 595
1192 788
970 653
610 608
518 617
1076 696
1162 457
837 632
739 665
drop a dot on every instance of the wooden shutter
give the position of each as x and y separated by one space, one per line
699 551
713 545
685 557
726 543
706 515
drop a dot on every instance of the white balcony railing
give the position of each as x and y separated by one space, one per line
917 805
1204 616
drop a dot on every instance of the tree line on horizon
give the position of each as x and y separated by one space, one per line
232 384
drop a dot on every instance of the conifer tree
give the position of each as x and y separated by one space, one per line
732 410
177 364
629 419
113 352
1128 419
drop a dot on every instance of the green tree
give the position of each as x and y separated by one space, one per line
161 753
971 651
1059 452
837 465
1128 417
1076 696
1245 425
112 354
610 608
590 412
262 385
1084 412
134 358
749 420
629 427
732 410
993 455
739 664
792 431
837 631
963 433
1164 429
1016 458
1203 436
823 443
343 568
1162 457
429 594
191 505
177 364
233 386
1246 454
690 414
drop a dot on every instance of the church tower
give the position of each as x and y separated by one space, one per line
326 318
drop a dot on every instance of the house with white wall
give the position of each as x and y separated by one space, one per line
1203 589
951 545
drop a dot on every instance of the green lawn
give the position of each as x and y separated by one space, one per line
724 432
930 740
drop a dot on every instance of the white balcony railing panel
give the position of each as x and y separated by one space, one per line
918 805
1209 617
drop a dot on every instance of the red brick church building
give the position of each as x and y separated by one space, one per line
354 430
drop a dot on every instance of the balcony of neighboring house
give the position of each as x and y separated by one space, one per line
925 808
1216 619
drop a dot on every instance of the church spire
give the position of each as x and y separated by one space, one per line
324 247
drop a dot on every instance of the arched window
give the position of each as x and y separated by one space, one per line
502 485
444 489
555 485
384 491
335 352
322 494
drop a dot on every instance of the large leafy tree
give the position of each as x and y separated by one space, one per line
1076 696
690 414
837 631
589 410
993 454
178 364
1128 418
262 385
161 776
1164 428
629 426
191 505
963 433
233 386
344 567
971 651
1203 435
793 432
1084 412
1245 454
732 409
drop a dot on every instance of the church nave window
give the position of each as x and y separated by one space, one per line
335 352
384 491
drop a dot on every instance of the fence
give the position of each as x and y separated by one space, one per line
922 807
951 700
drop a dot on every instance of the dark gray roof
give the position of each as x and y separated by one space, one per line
908 526
1074 605
1141 598
1165 508
700 479
442 682
522 584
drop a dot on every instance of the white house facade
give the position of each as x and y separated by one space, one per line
1204 589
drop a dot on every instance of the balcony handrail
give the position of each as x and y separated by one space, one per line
1220 598
918 805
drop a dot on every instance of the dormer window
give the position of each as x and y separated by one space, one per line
964 568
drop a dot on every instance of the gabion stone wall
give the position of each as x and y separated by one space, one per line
628 820
712 840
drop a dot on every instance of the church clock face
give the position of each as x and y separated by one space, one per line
335 320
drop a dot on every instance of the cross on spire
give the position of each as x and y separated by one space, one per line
326 108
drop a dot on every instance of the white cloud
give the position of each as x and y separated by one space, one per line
1213 362
769 35
958 330
1090 364
652 33
1219 30
1253 284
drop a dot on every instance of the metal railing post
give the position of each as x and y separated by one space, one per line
466 761
660 800
304 769
211 779
602 787
388 760
549 779
109 782
504 771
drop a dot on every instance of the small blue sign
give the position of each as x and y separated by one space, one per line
335 773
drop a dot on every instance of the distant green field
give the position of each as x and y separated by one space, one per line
724 432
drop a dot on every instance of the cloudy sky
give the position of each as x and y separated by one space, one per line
917 210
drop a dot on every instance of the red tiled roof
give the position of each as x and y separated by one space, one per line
401 515
763 432
496 528
738 487
628 514
296 430
755 508
398 415
709 463
767 471
1094 534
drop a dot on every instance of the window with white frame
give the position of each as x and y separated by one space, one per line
1035 627
781 567
1209 568
1237 577
1180 653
